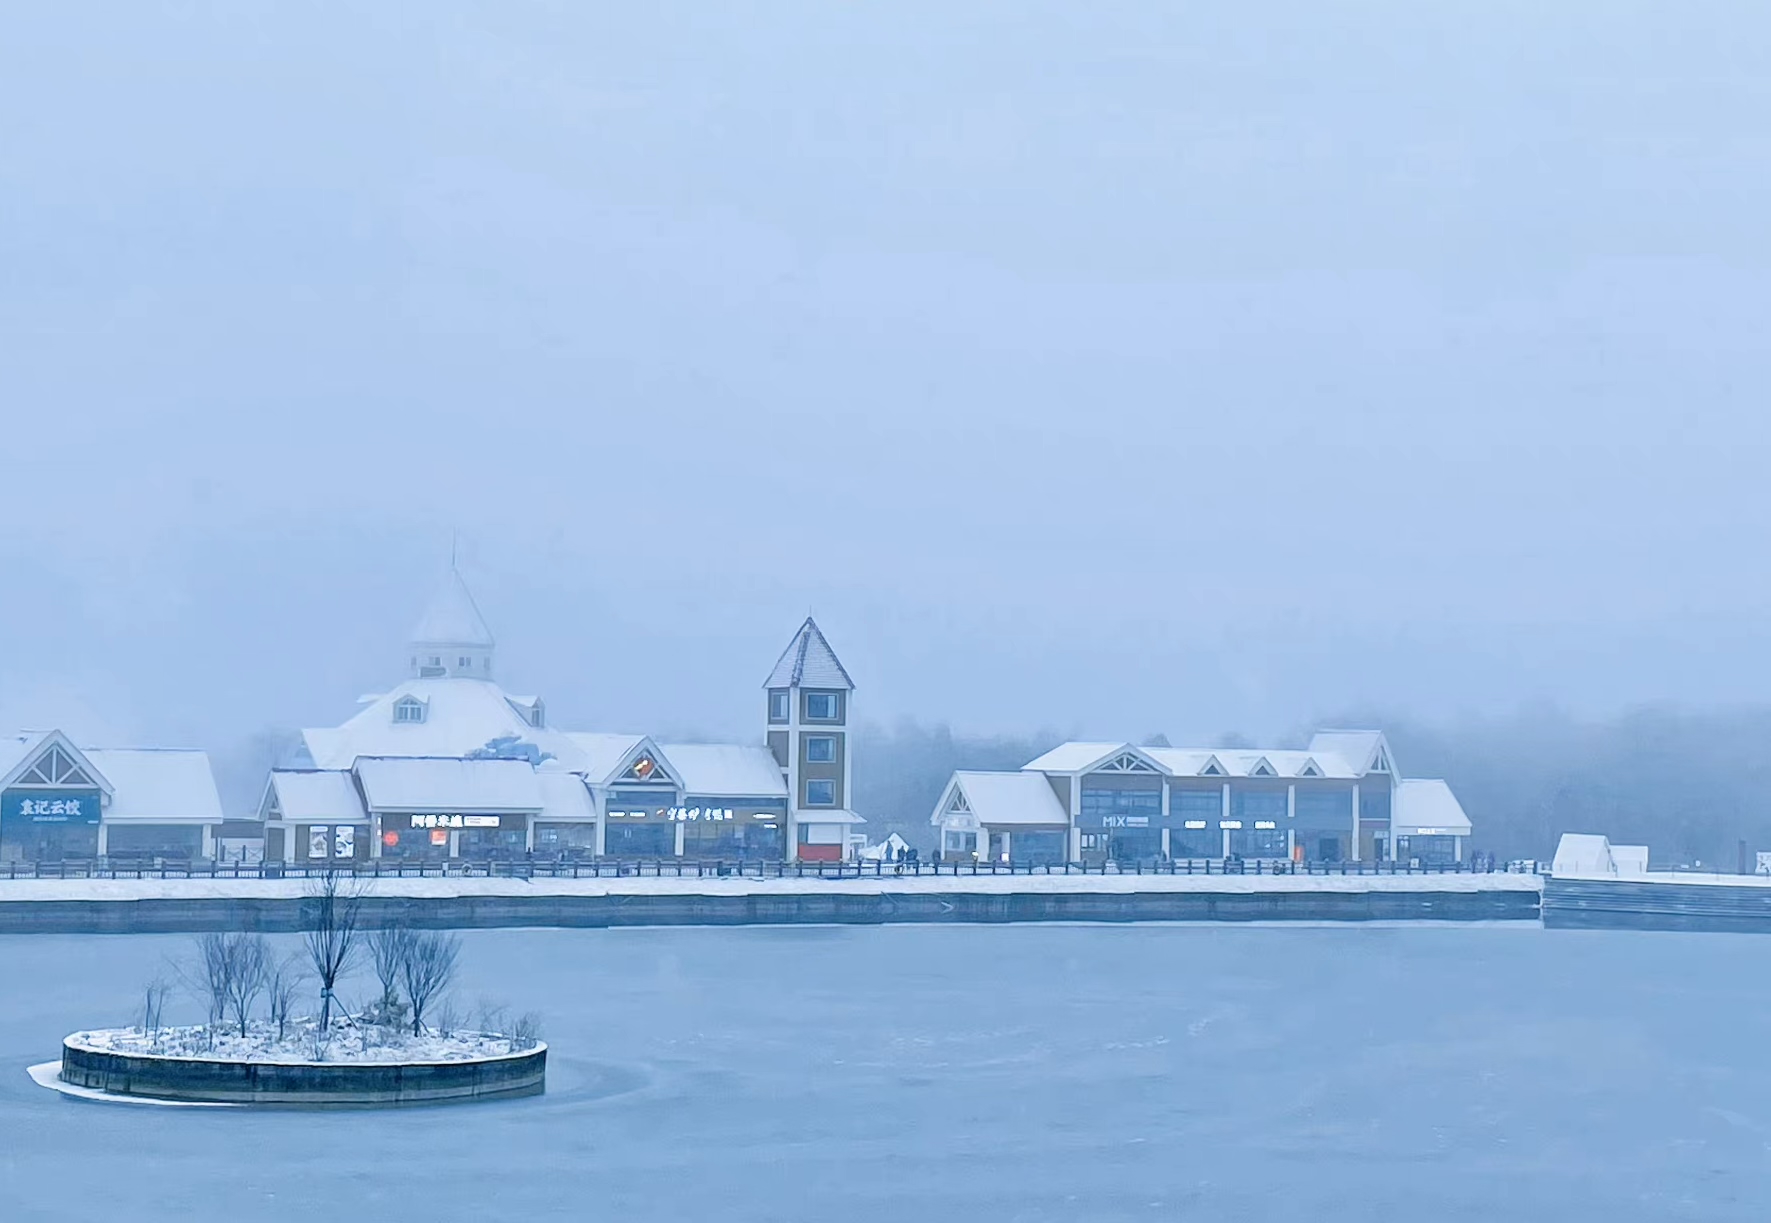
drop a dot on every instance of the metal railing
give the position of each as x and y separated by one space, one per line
700 868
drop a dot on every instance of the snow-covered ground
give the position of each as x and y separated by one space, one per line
148 889
367 1044
982 1074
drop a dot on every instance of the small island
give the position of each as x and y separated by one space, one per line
406 1046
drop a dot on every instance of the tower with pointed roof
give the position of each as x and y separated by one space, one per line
809 714
451 638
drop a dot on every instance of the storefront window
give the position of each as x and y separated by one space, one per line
1039 848
569 839
640 840
1259 842
1196 838
1431 850
959 842
155 841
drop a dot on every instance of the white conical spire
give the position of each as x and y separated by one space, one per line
452 638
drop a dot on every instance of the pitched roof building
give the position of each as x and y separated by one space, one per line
448 763
1338 799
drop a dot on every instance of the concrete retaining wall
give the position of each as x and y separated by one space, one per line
335 1085
1653 904
276 914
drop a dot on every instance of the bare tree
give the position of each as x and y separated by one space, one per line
248 975
281 984
209 975
429 967
334 908
153 1006
391 950
525 1033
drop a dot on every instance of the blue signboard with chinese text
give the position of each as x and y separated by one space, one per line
18 807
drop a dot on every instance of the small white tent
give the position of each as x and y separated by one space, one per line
887 850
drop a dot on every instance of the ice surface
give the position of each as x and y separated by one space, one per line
983 1074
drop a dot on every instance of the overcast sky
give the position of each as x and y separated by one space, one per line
1107 368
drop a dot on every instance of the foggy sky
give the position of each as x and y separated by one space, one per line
1110 368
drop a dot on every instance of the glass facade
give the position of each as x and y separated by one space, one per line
1039 848
1251 805
1264 842
1099 803
154 840
572 840
734 840
1195 838
1327 809
640 839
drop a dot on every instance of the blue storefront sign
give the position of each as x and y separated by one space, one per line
20 808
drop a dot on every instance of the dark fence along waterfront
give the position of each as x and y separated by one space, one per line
697 868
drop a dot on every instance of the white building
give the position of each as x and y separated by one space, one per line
59 801
1339 799
449 764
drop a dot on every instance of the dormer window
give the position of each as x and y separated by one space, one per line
537 715
409 709
464 663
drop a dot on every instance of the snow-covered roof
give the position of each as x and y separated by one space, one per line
442 784
316 796
1087 755
1427 807
563 797
160 785
1359 748
725 770
460 715
1074 757
452 619
835 815
596 754
1582 853
809 662
997 799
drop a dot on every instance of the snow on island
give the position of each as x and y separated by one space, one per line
298 1045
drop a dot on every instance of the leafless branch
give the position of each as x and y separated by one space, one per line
333 907
429 967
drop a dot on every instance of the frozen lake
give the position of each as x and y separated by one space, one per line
982 1073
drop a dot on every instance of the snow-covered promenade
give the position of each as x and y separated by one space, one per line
161 905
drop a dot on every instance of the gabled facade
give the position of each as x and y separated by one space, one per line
60 802
1338 800
450 729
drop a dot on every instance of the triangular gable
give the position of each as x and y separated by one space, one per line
954 809
1263 767
643 764
1310 768
1127 759
1380 760
57 763
1213 767
267 806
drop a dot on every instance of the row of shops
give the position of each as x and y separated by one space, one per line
1339 800
448 764
60 801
